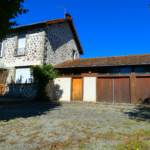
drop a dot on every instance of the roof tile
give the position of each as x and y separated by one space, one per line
107 61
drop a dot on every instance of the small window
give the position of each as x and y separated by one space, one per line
74 55
23 75
4 75
67 73
77 72
60 73
1 47
148 70
140 70
102 71
21 44
114 71
125 70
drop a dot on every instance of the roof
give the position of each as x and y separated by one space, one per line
69 20
33 24
107 61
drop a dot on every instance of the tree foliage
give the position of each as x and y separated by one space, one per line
9 9
43 75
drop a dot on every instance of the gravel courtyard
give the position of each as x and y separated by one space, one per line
74 125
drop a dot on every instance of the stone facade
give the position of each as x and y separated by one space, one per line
59 44
52 44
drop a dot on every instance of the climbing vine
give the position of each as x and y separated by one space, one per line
43 75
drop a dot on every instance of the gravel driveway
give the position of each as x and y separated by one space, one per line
91 126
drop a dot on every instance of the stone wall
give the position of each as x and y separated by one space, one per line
21 90
59 44
34 52
34 48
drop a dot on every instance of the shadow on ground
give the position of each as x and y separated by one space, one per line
12 110
139 113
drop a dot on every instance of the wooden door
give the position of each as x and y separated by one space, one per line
105 90
143 90
115 90
122 90
77 89
3 83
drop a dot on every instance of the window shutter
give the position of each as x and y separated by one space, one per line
21 44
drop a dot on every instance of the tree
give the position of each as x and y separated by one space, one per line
43 75
9 9
149 6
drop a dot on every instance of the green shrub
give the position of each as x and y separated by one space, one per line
43 75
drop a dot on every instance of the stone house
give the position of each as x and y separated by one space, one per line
49 42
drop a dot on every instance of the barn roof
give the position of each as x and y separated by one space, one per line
141 59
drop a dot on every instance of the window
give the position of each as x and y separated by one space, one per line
67 73
77 72
60 73
21 44
1 47
148 70
114 71
74 55
102 71
23 75
125 70
140 70
4 75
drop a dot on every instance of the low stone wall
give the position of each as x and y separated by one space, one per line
21 90
29 91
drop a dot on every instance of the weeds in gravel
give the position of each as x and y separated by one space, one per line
3 124
114 126
13 142
81 147
138 140
2 140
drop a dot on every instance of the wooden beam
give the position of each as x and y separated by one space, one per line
133 89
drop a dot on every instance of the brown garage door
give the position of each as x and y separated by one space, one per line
121 90
105 90
113 90
142 89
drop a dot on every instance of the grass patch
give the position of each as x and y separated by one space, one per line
138 140
133 146
129 123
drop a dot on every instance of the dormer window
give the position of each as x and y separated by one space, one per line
74 55
21 44
1 47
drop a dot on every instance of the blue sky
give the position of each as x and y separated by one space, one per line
104 27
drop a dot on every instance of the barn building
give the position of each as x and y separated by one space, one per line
117 79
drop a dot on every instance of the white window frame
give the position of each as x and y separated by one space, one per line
22 75
18 52
1 48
